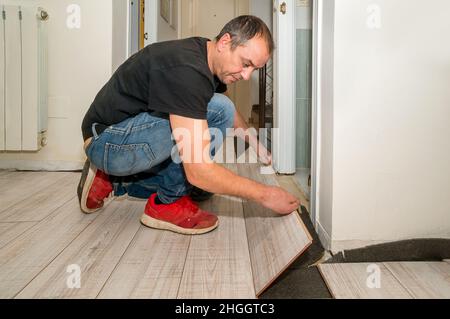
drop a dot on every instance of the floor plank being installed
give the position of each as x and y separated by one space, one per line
397 280
43 234
218 264
274 241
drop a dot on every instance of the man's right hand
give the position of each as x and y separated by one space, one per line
280 201
202 172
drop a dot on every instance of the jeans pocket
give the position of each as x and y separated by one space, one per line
129 159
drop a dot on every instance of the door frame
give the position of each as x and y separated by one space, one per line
284 97
284 140
284 157
133 26
151 21
315 109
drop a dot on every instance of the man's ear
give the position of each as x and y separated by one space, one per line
224 42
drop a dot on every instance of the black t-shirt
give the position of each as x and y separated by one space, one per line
171 77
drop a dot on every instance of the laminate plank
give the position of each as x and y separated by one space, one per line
288 183
24 184
218 263
151 267
95 252
275 241
4 173
423 280
354 281
23 258
10 176
9 231
42 203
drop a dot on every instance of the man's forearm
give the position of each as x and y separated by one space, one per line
240 123
219 180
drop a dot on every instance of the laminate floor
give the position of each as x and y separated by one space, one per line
405 280
50 249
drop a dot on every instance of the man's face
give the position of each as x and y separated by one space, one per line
238 64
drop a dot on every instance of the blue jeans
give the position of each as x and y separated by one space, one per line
136 153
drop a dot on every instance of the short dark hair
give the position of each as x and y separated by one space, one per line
245 28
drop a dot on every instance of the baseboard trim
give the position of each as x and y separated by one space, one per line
341 245
338 246
324 237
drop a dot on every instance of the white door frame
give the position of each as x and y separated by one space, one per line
284 148
151 21
284 98
315 109
133 27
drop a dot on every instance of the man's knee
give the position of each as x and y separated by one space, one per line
221 111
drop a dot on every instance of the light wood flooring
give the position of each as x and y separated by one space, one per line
405 280
50 249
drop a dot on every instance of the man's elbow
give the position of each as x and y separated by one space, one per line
196 174
191 178
193 174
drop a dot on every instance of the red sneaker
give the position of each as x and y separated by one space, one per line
182 216
94 190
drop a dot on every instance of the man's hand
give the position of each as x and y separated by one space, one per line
264 155
202 172
280 201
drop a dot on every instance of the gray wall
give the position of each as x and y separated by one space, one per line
303 90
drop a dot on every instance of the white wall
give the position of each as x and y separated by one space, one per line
165 31
120 32
390 122
79 65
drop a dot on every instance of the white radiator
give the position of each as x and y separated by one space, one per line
23 78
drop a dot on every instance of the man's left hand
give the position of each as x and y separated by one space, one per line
264 155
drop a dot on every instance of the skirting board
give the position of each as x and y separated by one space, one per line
341 245
323 236
337 246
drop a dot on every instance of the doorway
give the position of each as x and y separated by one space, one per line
137 35
205 18
298 141
304 35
